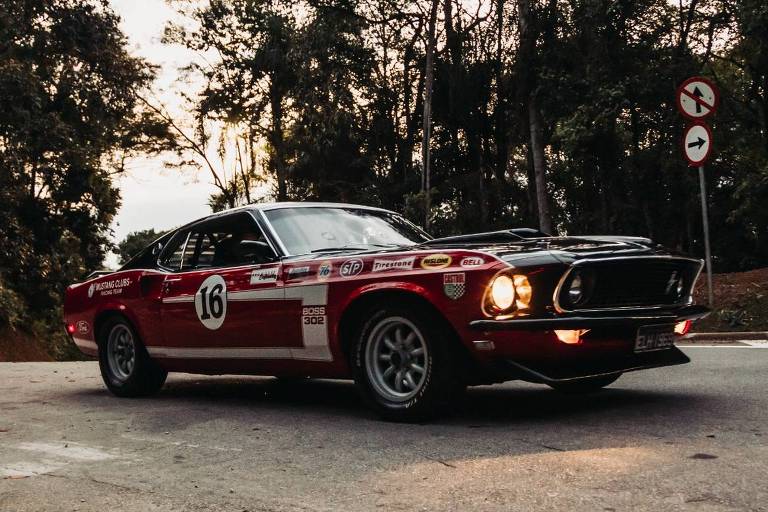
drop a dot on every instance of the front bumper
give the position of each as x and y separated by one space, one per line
528 349
607 319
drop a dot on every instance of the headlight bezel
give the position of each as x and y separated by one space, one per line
521 296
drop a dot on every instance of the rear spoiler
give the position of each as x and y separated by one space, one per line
98 273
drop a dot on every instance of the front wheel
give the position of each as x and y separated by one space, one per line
586 385
406 365
125 365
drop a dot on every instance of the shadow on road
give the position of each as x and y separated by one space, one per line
485 405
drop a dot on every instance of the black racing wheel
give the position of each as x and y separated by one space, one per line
125 365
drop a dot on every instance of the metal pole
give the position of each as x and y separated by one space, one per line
705 220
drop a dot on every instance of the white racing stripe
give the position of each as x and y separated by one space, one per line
314 336
83 343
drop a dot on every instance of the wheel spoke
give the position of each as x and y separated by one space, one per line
408 341
385 357
389 344
399 381
417 351
388 372
416 368
409 380
399 336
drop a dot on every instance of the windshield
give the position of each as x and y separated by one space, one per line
316 229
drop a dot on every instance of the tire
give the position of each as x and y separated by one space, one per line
586 385
406 340
125 365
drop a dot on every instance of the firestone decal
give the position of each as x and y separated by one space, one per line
472 261
435 261
351 268
324 270
401 264
264 275
454 285
113 287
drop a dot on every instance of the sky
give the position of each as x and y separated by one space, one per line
154 197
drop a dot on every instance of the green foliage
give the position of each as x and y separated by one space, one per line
68 115
339 90
12 309
134 242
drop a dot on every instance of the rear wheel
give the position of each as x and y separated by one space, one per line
125 365
586 385
406 365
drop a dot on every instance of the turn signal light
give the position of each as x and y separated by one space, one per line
683 327
71 328
571 337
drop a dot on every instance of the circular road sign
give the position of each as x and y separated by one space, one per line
697 144
697 98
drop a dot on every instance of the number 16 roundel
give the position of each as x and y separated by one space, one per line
211 302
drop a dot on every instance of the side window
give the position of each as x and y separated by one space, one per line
228 241
173 253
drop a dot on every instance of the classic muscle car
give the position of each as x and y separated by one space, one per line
343 291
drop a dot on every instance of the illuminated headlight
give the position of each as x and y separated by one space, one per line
503 292
508 293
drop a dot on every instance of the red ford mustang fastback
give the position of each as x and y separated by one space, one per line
344 291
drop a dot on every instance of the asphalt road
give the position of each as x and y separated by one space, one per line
686 438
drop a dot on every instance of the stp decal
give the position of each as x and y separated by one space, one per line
324 270
264 275
399 264
454 284
472 261
351 268
211 302
435 261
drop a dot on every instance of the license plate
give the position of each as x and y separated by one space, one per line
654 337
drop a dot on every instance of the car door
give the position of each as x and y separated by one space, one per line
222 298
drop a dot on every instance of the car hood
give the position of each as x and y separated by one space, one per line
519 250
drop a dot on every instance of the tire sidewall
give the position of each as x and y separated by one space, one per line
432 397
145 376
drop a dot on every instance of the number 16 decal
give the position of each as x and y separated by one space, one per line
211 302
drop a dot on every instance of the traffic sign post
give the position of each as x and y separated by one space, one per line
697 99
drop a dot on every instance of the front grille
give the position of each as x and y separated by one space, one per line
628 283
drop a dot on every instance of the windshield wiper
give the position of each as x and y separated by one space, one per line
358 247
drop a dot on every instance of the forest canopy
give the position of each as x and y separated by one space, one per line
464 115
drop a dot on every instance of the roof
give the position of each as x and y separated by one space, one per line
283 204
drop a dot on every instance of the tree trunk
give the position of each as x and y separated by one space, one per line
539 163
429 74
278 144
529 95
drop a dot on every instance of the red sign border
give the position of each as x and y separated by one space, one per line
691 163
679 94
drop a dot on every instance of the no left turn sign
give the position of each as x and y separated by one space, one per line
697 98
697 144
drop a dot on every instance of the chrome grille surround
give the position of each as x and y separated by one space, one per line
661 265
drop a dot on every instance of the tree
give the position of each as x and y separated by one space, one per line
69 118
134 242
